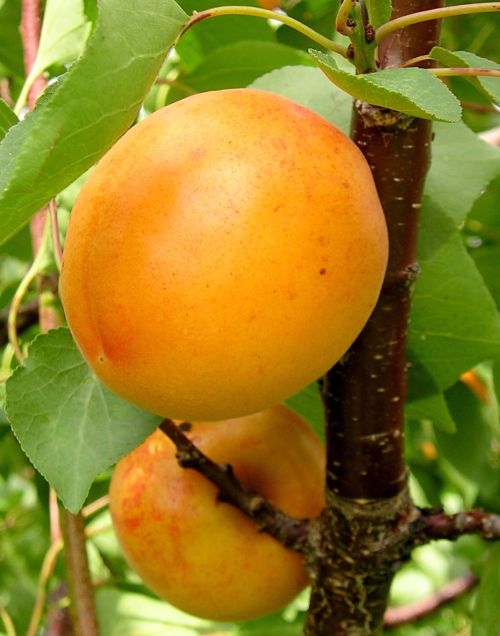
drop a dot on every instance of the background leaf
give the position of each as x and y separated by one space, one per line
63 34
379 11
70 425
79 118
236 65
486 621
413 91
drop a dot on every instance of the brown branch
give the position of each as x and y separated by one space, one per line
26 317
412 612
82 607
83 610
437 525
292 533
367 526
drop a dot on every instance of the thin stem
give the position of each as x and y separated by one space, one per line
48 566
82 609
256 12
56 237
433 14
10 630
416 60
459 72
21 291
443 526
342 21
95 506
412 612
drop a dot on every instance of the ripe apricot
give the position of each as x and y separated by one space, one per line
204 556
222 255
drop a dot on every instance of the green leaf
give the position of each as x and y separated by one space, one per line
236 65
434 409
310 87
413 91
461 169
7 118
454 321
467 450
79 117
489 86
70 426
63 34
379 11
486 618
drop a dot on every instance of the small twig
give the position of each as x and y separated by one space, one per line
292 533
256 12
396 616
56 237
95 506
438 525
491 137
27 316
460 72
10 630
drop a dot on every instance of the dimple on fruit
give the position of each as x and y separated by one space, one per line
205 556
222 255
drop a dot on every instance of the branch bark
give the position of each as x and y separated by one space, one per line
367 526
83 609
438 525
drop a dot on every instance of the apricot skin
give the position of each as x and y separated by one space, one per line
223 254
201 555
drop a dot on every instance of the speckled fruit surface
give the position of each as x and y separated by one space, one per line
203 556
222 255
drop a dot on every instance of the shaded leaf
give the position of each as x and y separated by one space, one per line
79 118
486 618
236 65
379 11
454 321
434 409
69 424
462 167
7 118
413 91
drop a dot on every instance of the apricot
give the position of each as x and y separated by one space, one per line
204 556
223 254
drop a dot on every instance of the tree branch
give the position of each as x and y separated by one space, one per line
396 616
367 526
292 533
437 525
83 610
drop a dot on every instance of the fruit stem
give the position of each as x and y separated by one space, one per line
342 21
257 12
433 14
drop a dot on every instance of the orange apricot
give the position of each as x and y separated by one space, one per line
204 556
223 254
